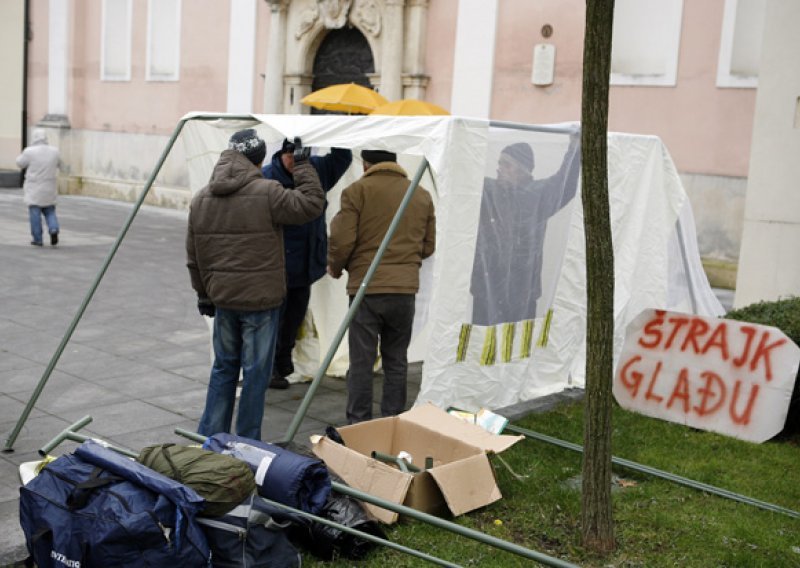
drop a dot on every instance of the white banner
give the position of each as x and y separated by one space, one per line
730 377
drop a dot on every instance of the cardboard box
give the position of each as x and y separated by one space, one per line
460 480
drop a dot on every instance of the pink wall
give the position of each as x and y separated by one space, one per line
519 24
440 50
142 106
707 129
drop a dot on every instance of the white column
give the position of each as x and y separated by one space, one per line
276 58
414 79
241 56
768 266
58 60
473 67
392 58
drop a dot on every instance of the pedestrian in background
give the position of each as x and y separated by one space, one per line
306 248
234 248
41 162
386 312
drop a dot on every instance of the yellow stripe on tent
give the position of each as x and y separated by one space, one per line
527 339
508 342
463 342
489 342
543 336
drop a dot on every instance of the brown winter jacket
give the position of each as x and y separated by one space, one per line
234 243
367 209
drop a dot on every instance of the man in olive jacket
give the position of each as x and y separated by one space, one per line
234 248
387 310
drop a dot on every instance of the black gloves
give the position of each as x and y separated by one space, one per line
301 153
205 307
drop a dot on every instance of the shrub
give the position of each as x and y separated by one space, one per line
785 315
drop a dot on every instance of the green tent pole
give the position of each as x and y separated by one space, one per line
364 535
362 290
659 473
92 289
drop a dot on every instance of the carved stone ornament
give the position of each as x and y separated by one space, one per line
367 16
334 12
308 18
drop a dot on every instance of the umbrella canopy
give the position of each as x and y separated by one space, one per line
349 97
410 107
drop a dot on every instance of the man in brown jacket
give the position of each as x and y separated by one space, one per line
387 310
234 249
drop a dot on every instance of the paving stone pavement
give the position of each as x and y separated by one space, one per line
138 360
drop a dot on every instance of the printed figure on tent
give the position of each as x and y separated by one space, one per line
39 188
507 271
235 262
387 310
306 249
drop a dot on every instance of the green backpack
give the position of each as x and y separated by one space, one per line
222 480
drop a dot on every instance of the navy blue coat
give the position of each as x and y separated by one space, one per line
306 246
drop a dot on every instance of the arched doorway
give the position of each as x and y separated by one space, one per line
344 56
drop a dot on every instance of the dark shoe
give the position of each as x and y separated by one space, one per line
34 243
278 383
53 239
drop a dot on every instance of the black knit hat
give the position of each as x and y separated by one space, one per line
521 152
247 142
378 156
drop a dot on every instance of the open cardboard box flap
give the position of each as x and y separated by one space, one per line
436 419
467 484
366 474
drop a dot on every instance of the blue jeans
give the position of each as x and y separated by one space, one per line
243 340
35 214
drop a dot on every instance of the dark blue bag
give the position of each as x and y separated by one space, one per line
97 508
281 475
250 536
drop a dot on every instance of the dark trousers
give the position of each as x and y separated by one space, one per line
388 317
293 311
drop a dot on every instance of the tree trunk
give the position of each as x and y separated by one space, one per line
597 521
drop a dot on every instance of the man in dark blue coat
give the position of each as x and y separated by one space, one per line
306 248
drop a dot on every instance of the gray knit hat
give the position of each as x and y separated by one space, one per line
247 142
522 153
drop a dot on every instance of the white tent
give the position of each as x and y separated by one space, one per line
469 362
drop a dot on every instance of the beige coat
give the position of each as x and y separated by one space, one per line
42 162
367 209
234 242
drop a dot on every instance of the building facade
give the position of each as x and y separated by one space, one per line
111 78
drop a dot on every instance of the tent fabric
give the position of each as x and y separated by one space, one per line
473 364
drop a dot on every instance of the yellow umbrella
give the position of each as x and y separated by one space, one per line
348 97
410 107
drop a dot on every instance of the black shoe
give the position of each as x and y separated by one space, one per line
278 382
53 239
34 243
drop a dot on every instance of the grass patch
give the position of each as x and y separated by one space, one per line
657 523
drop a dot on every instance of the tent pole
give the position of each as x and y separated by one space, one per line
92 289
658 473
426 518
337 339
685 262
531 127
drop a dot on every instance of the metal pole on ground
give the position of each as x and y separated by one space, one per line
658 473
362 290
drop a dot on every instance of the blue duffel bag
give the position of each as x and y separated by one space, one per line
96 508
250 536
281 475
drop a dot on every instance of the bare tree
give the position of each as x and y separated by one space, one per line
597 520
